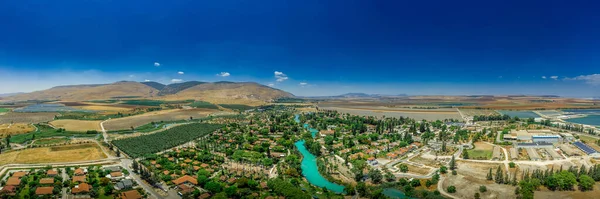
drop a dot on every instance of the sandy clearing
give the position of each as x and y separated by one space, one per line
77 125
68 153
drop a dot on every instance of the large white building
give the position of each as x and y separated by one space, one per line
545 138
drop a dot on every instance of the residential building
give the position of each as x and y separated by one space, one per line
51 173
185 180
133 194
124 184
81 188
47 181
43 190
13 181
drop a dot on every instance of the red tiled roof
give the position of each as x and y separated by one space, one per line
43 190
19 174
9 189
204 196
51 172
81 188
133 194
47 181
116 174
79 171
78 178
13 181
184 179
185 189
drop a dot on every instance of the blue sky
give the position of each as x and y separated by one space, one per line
317 47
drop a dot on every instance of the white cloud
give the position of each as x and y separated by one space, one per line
176 80
131 76
147 80
271 84
303 84
180 72
593 79
224 74
554 77
280 76
543 77
156 64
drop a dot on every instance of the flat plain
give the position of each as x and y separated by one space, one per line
26 117
67 153
77 125
14 129
156 116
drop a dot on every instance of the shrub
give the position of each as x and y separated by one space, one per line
451 189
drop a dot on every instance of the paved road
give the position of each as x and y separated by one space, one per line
125 163
65 177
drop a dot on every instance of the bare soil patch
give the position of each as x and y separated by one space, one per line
77 125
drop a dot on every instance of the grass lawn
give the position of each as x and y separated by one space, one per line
480 154
4 110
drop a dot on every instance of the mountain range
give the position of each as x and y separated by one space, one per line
214 92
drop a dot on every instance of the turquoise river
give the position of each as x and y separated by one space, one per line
309 166
311 172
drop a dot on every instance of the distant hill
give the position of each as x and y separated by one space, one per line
176 87
89 92
230 93
155 85
218 92
9 94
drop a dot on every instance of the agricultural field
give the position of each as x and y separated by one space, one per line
66 153
417 114
13 117
45 131
77 125
145 102
238 107
15 129
156 116
520 114
473 112
3 110
104 108
203 104
50 141
482 151
153 143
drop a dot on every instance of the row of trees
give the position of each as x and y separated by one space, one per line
561 180
147 144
